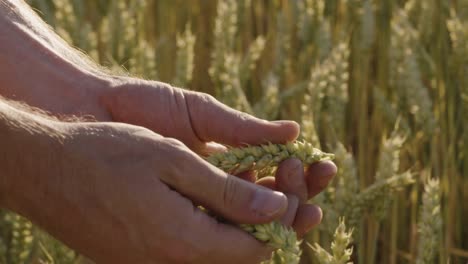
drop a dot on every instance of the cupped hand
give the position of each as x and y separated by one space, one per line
196 119
202 123
123 194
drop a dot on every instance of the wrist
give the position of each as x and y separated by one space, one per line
38 68
30 154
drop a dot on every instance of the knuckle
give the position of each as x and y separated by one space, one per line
175 143
242 123
177 160
230 191
205 98
198 100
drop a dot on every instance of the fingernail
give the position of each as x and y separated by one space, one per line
285 122
316 219
332 169
329 169
213 147
293 203
268 203
323 170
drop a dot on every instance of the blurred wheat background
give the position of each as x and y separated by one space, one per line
383 84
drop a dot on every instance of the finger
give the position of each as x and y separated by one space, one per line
214 121
233 198
307 217
293 201
318 176
268 182
288 218
204 240
290 179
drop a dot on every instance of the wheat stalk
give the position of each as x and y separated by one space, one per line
185 57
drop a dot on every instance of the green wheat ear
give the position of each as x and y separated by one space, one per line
237 160
341 247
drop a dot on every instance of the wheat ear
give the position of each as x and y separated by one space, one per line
430 223
237 160
341 248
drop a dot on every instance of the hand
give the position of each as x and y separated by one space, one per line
198 119
123 194
299 186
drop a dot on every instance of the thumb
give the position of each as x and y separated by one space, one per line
214 121
235 199
244 202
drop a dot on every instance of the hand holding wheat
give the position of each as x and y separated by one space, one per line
283 239
196 119
127 174
213 121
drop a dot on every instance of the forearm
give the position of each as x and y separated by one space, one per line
29 149
38 67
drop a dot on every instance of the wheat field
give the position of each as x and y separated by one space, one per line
382 84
